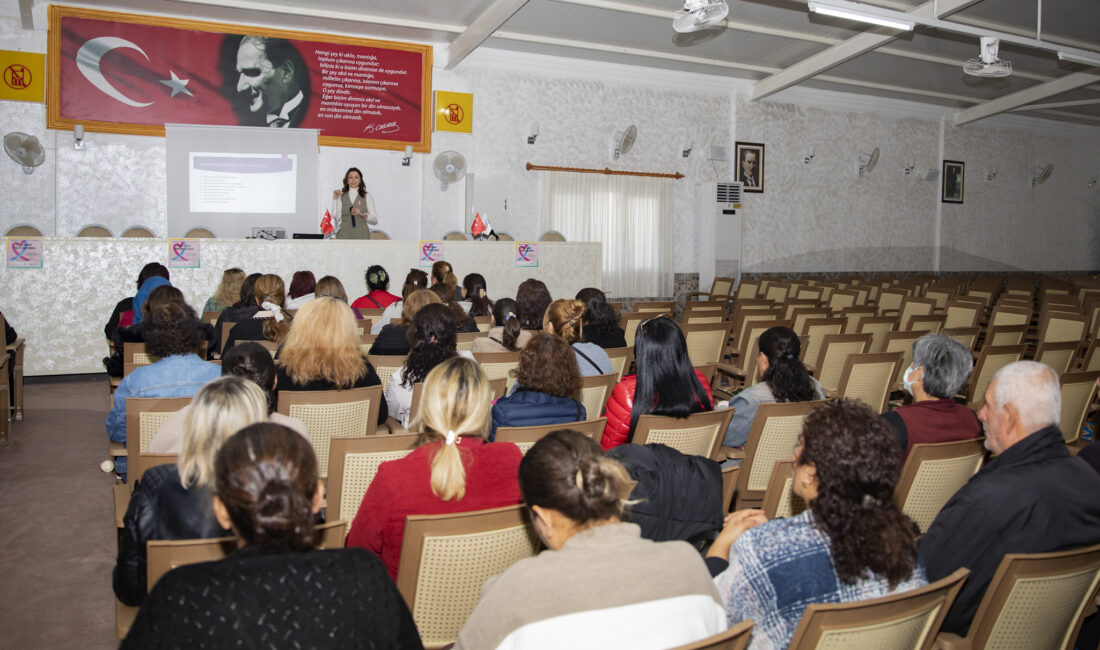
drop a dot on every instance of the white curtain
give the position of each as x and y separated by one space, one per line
631 216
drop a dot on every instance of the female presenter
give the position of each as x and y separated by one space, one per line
356 207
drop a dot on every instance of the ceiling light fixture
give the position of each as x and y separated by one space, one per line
861 13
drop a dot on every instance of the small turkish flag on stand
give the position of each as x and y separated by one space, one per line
478 226
326 224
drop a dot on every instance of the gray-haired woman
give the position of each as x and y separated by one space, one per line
941 366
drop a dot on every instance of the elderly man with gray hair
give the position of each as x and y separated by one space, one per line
1033 497
941 365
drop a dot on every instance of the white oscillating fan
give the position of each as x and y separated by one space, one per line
449 167
623 141
1040 175
987 64
25 150
867 162
699 14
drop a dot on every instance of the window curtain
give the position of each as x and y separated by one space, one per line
631 216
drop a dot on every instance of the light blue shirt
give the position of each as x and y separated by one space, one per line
746 404
597 355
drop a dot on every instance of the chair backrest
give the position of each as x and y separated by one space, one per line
1078 392
23 231
870 378
499 365
552 235
835 349
968 336
378 234
745 319
735 638
1037 600
385 365
146 462
353 464
1058 327
889 301
772 437
526 437
652 307
455 235
630 321
776 292
909 619
328 414
962 313
621 358
1005 315
133 356
211 317
719 305
465 340
138 231
94 231
445 560
925 322
706 342
1005 335
853 316
594 393
841 299
902 342
911 307
878 327
144 417
200 233
1058 356
800 316
747 289
932 474
816 329
167 554
992 359
699 434
722 288
939 296
1092 358
780 501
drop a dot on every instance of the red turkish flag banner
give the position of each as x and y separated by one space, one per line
326 224
127 71
478 226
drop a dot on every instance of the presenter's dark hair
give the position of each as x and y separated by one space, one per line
506 315
786 376
362 186
533 298
377 278
667 383
266 475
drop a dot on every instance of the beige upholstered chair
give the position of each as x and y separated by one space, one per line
455 235
133 356
699 433
655 307
94 231
816 329
800 315
706 342
902 342
138 232
1059 356
968 336
869 378
775 430
621 358
878 327
835 350
780 501
1092 357
144 417
925 322
629 321
353 464
552 235
378 234
1033 601
710 311
385 366
889 301
442 591
720 289
962 313
932 474
328 414
526 437
911 307
1078 392
498 365
465 340
1059 327
594 393
735 638
200 233
991 359
908 620
23 231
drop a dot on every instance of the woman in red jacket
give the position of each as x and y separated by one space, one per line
666 383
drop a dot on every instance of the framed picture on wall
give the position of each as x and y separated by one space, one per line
954 176
750 165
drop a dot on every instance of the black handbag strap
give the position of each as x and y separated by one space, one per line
589 360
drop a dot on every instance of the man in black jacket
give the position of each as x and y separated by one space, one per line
1033 497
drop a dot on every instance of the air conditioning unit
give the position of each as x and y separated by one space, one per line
718 225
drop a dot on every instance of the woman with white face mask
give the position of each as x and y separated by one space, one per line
941 366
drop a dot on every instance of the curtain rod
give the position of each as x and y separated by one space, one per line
609 172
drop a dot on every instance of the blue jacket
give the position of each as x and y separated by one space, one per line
527 408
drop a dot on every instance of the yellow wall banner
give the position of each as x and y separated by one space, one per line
454 111
24 76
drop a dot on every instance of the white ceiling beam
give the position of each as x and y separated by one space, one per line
1040 107
849 49
1025 97
480 29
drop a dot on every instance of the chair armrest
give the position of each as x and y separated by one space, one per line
18 343
122 502
948 641
830 393
728 369
697 293
735 453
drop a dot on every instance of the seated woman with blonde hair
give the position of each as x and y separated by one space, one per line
321 352
452 469
852 543
599 584
174 501
277 589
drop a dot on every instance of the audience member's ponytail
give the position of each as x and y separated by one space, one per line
266 476
786 376
444 273
480 305
568 472
457 401
506 315
270 290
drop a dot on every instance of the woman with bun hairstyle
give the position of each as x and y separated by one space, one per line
414 279
444 273
666 382
852 543
277 585
463 322
599 583
393 340
505 335
601 321
452 469
432 341
270 322
547 379
474 299
378 281
321 352
785 379
564 318
173 501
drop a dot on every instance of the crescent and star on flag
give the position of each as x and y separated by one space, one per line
88 58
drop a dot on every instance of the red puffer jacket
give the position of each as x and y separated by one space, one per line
621 402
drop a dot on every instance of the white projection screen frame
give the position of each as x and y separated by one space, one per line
230 179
